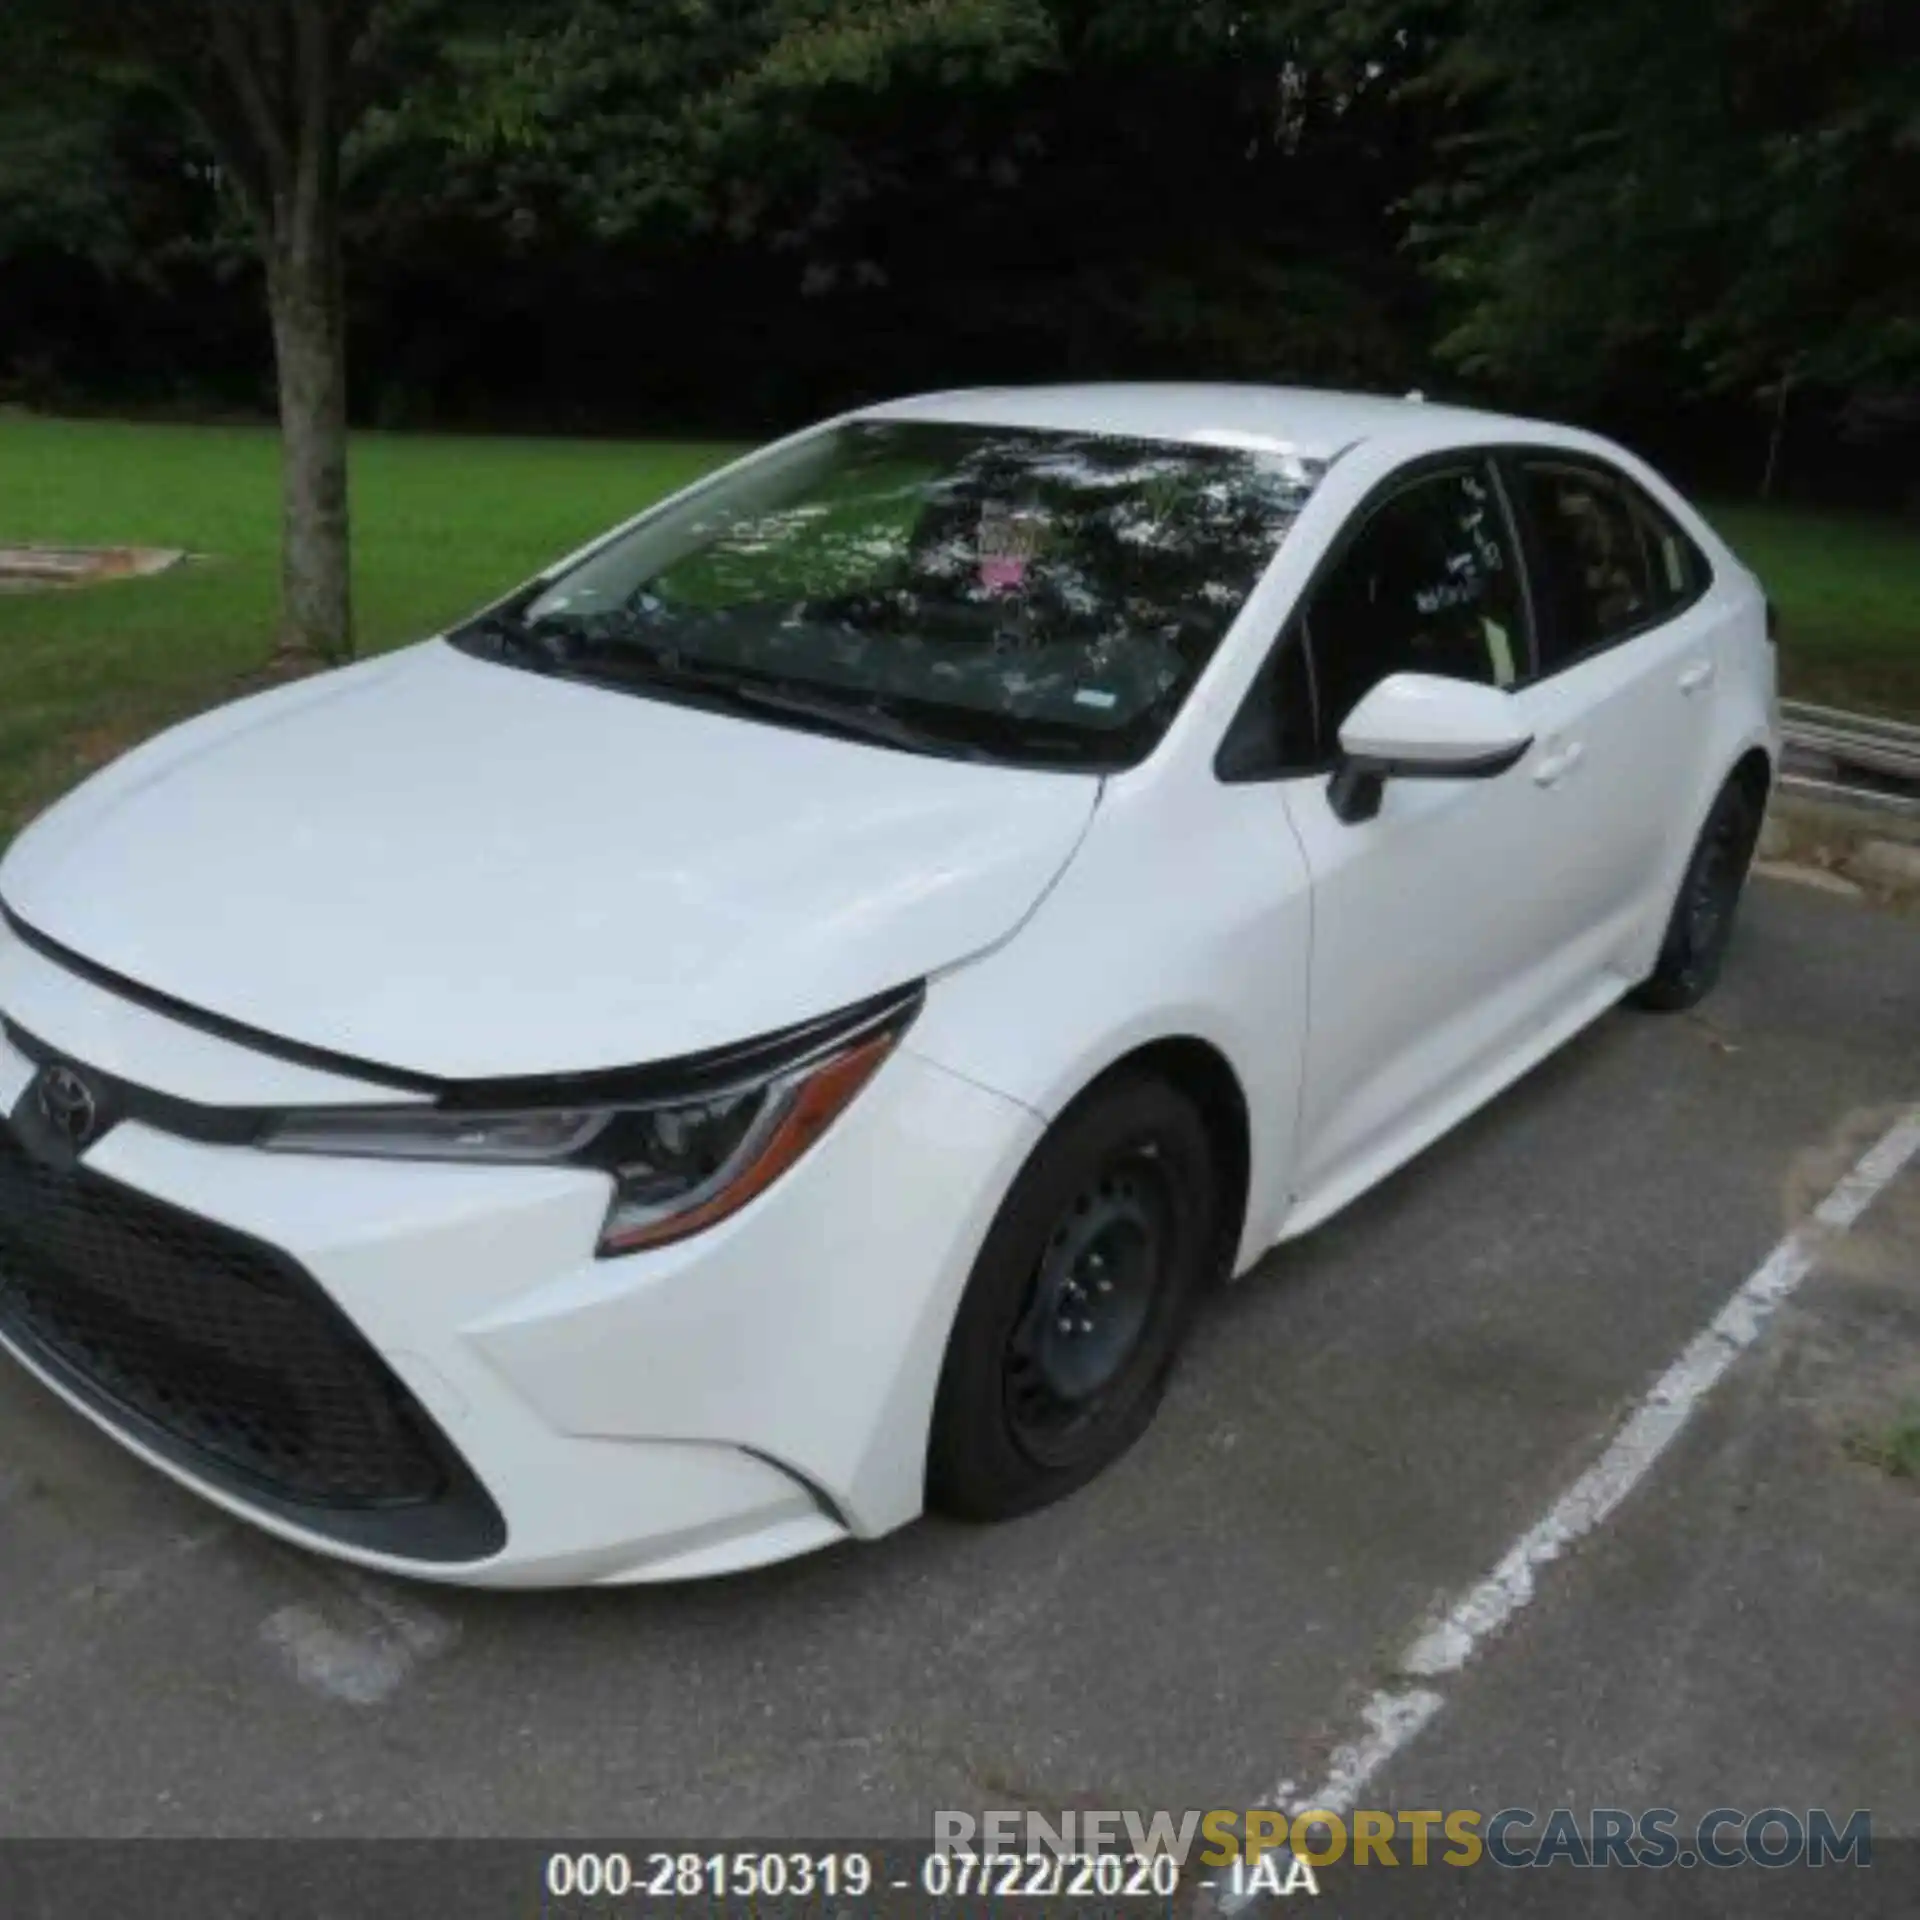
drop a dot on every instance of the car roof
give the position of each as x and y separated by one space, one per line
1313 422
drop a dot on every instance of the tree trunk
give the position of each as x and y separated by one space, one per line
268 84
1776 436
305 293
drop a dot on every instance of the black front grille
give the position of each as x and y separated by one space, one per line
185 1331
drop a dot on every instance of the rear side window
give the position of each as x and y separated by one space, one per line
1595 583
1428 585
1609 562
1680 570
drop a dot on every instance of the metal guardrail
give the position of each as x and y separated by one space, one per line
1856 759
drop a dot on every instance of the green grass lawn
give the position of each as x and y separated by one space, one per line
1848 590
441 524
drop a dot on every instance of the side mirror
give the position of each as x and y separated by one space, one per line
1422 726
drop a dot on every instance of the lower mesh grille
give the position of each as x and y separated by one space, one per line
220 1344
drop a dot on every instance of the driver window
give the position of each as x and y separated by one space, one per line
1429 585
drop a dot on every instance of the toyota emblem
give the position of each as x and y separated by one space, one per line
68 1105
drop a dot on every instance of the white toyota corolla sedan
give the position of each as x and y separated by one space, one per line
780 1021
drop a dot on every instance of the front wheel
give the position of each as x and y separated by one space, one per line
1702 923
1077 1304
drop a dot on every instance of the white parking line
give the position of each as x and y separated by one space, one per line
1394 1716
362 1648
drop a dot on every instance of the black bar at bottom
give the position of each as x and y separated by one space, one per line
516 1880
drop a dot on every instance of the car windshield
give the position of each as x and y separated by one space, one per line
1000 592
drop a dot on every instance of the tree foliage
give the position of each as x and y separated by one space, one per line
734 212
272 89
1732 184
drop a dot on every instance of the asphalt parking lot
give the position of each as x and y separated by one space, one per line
1357 1434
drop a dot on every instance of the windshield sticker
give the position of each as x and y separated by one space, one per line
1007 543
1500 650
1445 596
1095 697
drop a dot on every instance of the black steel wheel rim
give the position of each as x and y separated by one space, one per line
1088 1311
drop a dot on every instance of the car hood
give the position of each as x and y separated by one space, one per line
464 869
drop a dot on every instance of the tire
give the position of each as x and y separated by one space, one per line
1702 921
1077 1305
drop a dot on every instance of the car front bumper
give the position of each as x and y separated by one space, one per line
751 1392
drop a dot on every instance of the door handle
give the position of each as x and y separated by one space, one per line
1556 766
1699 675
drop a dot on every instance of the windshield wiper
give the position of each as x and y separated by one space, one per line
564 649
511 638
857 719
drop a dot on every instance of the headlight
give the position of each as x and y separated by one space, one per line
677 1164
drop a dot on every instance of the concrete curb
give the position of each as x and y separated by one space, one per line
1853 852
